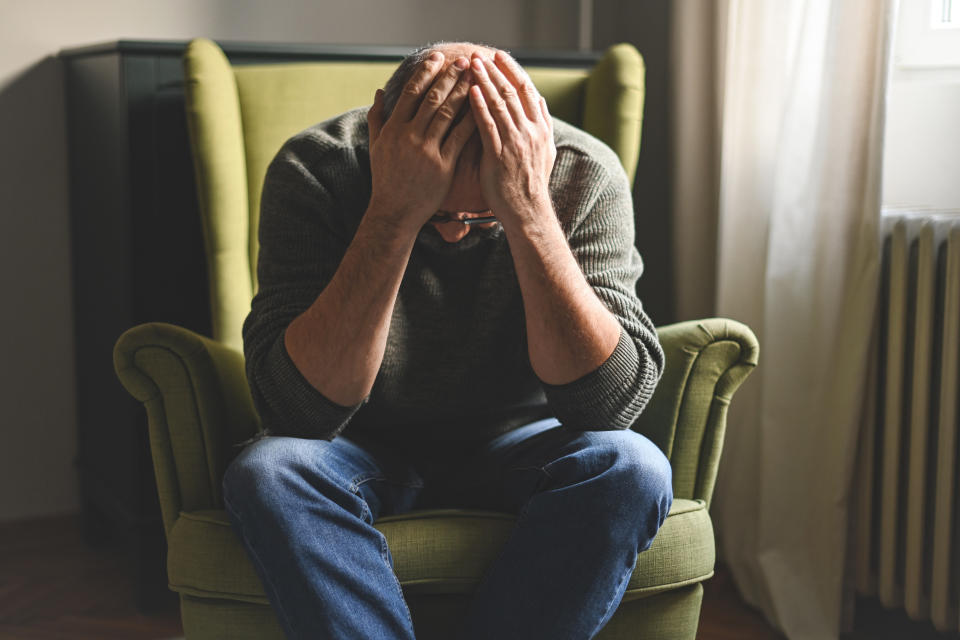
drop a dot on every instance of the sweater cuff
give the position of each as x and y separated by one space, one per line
298 408
585 403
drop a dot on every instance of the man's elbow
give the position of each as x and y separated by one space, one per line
648 377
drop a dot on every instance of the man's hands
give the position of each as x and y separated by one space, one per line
412 156
414 152
517 135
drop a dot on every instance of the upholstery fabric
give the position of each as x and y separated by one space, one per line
213 119
706 362
613 108
207 559
666 616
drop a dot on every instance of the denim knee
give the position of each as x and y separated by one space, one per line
645 474
631 478
258 468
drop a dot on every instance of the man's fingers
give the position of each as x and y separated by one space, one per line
375 116
410 96
507 91
444 100
459 136
546 113
503 108
486 126
514 73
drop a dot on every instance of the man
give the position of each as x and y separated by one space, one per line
402 357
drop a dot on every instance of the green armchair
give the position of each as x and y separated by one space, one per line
199 405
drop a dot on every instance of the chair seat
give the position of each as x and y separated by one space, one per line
434 551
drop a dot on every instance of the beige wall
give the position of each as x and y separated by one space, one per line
646 25
695 138
37 473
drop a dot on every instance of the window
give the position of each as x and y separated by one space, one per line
922 139
945 14
928 34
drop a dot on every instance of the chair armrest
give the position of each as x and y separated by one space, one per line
198 405
706 361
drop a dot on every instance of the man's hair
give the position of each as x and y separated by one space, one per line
401 76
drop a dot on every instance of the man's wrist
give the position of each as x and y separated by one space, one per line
395 220
529 218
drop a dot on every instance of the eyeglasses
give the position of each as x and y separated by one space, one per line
440 219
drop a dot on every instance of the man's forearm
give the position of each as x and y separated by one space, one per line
569 330
339 341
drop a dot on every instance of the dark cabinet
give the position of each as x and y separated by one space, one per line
137 257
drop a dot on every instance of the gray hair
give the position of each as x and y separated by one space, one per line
401 76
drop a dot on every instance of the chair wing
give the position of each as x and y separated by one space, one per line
219 160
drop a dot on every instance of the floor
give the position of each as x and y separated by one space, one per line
54 586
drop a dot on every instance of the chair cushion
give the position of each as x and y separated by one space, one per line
434 551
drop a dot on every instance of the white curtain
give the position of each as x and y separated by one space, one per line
787 168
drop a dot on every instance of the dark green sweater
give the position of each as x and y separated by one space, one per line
456 369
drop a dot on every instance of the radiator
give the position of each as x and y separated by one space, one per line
907 532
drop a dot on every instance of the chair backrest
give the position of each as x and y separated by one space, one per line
240 116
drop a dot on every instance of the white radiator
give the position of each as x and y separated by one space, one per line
907 545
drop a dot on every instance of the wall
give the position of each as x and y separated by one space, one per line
37 474
647 25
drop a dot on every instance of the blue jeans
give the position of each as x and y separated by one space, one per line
587 503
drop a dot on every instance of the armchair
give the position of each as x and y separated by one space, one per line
199 407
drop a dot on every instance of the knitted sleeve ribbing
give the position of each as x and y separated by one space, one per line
613 395
302 242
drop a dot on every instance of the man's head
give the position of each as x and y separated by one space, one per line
406 68
465 199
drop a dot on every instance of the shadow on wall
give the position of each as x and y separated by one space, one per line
36 332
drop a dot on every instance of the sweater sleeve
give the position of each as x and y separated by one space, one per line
303 237
613 395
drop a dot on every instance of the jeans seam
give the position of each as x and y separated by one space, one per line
364 509
256 558
615 601
384 551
